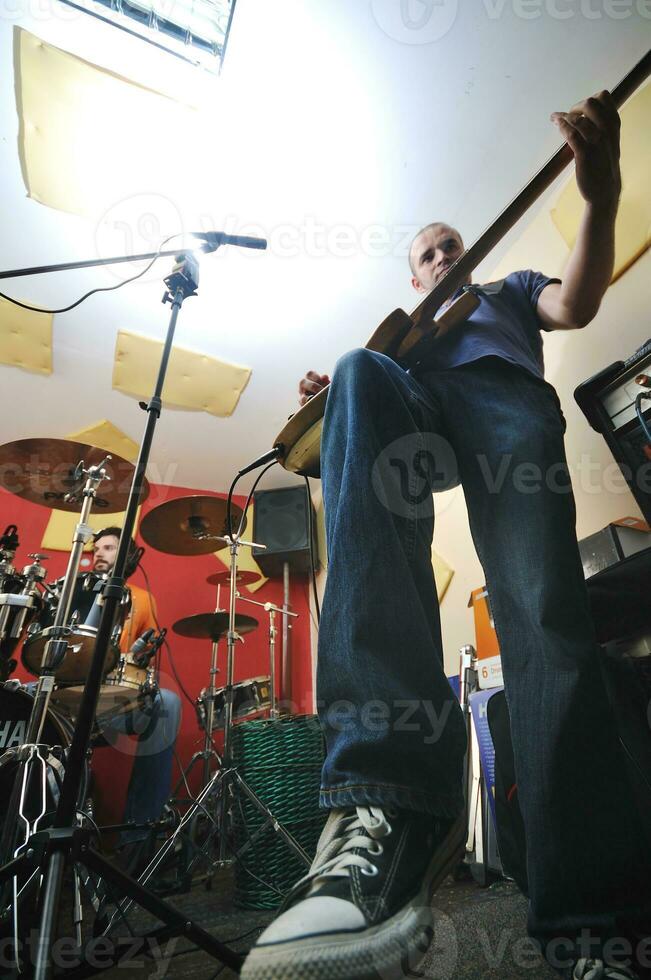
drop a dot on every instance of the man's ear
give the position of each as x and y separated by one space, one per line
417 284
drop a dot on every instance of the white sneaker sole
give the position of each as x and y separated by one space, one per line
389 951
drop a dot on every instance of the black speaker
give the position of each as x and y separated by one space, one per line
281 522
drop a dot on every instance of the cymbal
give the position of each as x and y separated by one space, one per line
41 470
188 525
224 578
212 626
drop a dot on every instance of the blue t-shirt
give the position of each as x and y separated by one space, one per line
505 324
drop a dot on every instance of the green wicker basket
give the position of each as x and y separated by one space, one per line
281 761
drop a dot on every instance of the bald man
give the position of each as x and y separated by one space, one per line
477 411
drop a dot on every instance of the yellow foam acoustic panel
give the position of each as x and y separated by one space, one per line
633 226
107 436
194 381
245 561
89 138
541 244
61 526
25 338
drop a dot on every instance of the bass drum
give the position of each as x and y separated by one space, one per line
15 710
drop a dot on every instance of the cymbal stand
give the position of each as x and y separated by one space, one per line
227 778
66 843
272 610
229 775
55 650
209 752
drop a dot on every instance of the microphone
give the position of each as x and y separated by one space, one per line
141 643
218 238
139 652
272 455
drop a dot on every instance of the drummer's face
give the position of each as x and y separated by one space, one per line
104 552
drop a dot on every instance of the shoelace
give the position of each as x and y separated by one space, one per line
362 829
367 826
588 969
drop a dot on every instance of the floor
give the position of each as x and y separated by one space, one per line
479 933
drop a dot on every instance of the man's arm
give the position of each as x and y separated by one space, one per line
591 129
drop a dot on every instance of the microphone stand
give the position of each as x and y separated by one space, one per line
64 843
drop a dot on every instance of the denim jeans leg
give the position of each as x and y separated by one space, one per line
395 733
587 859
157 727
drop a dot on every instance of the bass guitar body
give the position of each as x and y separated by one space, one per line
300 439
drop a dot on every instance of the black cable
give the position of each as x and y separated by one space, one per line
98 289
312 557
229 501
640 415
88 817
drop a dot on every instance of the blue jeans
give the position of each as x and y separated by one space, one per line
394 733
156 725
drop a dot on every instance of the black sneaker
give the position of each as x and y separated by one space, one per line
363 911
589 969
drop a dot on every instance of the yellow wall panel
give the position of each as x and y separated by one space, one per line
194 381
25 338
88 137
633 227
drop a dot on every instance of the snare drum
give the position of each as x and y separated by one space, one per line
73 670
249 698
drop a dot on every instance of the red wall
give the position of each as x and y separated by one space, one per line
180 588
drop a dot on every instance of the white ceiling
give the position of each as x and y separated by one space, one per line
337 130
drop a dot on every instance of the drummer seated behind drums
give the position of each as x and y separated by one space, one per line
156 722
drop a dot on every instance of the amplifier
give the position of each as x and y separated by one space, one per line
608 401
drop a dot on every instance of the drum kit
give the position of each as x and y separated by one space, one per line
57 623
193 526
39 614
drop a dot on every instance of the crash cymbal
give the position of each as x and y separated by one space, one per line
188 525
41 470
212 626
224 578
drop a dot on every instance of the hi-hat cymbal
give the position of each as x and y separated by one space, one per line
188 525
224 578
212 626
41 470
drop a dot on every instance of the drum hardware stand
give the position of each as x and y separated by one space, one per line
55 650
8 547
67 842
34 575
227 778
286 671
229 775
209 752
272 610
